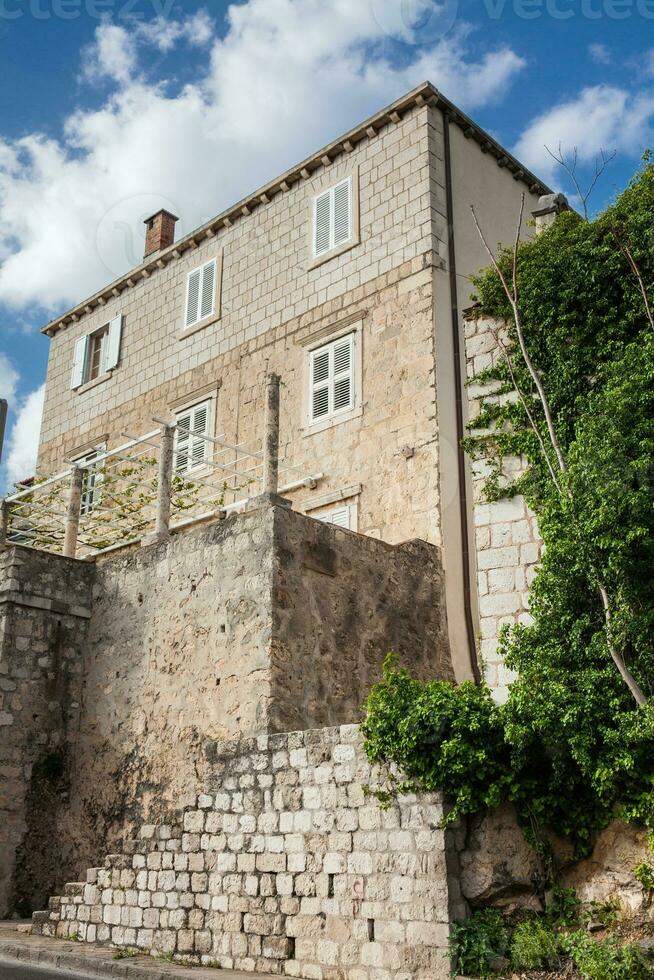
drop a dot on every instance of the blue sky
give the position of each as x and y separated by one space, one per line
112 108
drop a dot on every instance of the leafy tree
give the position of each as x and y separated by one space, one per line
573 395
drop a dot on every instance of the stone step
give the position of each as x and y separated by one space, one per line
92 876
54 902
40 917
118 861
72 889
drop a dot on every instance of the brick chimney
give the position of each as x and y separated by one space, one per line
549 205
159 232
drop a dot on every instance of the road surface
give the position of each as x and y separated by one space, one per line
24 971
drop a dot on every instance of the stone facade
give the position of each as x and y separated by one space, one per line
282 865
394 459
507 541
45 605
115 673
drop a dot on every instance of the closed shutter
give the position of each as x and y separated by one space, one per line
332 379
332 217
200 420
182 438
320 383
191 450
342 212
111 346
208 289
322 223
340 516
193 297
343 381
79 362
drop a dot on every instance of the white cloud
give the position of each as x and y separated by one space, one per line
24 437
287 76
600 54
112 55
599 118
8 378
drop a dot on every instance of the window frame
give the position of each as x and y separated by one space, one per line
91 491
355 409
187 329
352 515
317 190
202 467
100 335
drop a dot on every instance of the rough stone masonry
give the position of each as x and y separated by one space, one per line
115 673
283 865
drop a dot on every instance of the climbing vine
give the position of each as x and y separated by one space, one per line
573 745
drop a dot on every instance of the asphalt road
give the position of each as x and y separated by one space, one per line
24 971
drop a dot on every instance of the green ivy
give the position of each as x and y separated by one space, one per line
570 748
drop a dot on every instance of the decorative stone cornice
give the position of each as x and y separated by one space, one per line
424 94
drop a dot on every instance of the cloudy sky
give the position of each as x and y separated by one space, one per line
110 109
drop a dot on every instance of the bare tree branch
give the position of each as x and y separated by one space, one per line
626 251
571 170
512 296
541 442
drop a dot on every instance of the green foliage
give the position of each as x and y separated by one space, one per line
644 875
534 945
607 913
477 941
438 735
570 748
564 907
605 959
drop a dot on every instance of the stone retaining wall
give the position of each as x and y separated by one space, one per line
284 866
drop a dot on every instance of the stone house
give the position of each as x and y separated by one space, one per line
347 276
179 713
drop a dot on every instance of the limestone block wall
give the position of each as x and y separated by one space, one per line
267 621
507 541
44 612
282 865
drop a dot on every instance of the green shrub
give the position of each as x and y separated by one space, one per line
564 907
606 959
533 946
644 875
477 941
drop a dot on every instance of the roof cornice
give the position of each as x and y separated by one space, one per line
423 95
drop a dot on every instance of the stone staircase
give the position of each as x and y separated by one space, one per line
285 867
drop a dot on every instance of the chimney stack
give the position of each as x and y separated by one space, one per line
159 232
549 205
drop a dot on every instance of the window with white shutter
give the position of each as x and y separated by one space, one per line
191 449
92 478
332 217
97 353
340 516
332 379
200 293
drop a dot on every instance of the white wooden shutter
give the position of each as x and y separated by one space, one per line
322 210
79 362
200 425
342 208
340 516
320 382
342 374
191 450
208 289
182 438
193 297
111 345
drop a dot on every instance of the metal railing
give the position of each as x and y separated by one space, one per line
147 487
